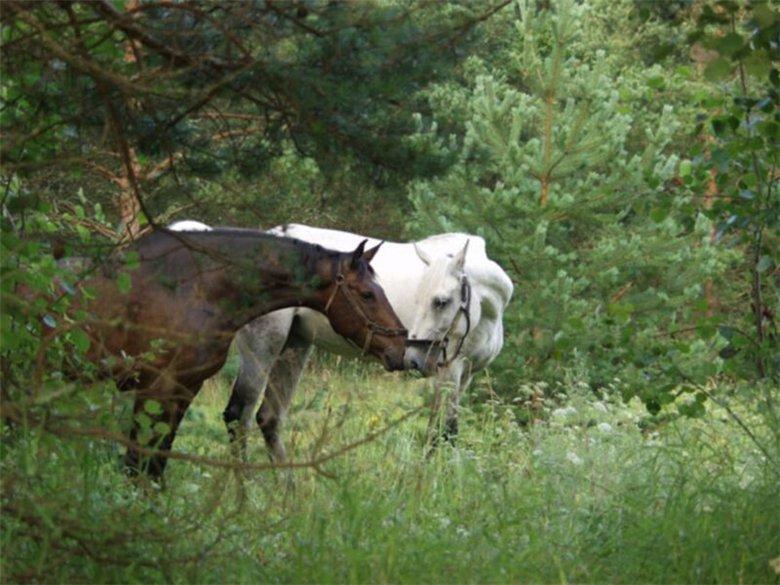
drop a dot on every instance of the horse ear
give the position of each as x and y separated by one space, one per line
460 257
422 255
358 254
369 255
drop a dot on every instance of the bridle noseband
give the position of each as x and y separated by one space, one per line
465 309
372 326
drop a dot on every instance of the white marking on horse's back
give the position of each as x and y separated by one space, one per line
189 225
333 239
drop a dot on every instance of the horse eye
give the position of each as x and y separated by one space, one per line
367 295
440 302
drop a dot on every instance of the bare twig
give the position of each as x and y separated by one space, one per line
10 412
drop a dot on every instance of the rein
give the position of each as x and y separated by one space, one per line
465 309
372 326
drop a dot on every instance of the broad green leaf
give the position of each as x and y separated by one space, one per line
132 259
83 233
729 44
153 407
80 340
758 63
144 436
123 282
161 428
693 409
764 15
718 69
660 213
143 420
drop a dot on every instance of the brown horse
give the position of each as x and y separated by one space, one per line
162 314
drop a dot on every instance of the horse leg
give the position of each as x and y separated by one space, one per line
167 405
447 388
247 387
450 431
283 381
259 345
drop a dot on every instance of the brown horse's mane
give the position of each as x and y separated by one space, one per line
310 253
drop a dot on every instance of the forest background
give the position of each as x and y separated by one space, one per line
619 158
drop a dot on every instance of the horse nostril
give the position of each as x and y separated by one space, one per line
415 365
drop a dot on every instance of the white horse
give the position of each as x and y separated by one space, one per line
444 288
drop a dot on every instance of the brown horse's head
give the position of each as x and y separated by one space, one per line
359 310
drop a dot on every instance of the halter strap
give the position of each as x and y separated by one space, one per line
465 309
372 326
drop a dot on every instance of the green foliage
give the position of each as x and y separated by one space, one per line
150 101
620 159
586 497
567 168
742 113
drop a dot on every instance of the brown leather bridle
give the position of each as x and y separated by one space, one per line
465 309
372 326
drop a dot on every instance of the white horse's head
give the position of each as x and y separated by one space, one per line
442 320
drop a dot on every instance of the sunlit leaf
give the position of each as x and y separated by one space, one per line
153 407
80 340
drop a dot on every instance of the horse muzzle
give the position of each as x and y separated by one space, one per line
426 359
392 361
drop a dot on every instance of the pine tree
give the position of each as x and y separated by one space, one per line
566 169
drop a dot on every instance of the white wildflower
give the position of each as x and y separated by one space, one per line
563 412
573 458
600 406
604 427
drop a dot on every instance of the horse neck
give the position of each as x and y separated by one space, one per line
266 273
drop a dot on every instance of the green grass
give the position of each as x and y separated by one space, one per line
585 497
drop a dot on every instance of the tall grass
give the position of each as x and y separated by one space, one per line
584 497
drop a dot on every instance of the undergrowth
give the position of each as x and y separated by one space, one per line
587 495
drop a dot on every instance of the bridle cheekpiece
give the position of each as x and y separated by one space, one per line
443 342
372 326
